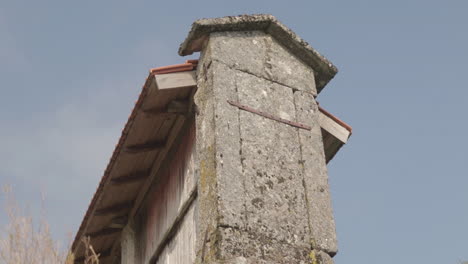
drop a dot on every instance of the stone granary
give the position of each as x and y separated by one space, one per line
223 159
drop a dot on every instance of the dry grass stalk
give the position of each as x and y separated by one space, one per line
90 255
21 242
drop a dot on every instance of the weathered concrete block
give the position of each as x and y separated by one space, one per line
259 167
229 172
275 197
207 213
315 175
244 50
285 68
226 142
252 247
260 54
221 180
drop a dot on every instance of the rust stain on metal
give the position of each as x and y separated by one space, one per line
269 116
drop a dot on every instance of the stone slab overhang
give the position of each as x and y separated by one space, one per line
324 70
157 119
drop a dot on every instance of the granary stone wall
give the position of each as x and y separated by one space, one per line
263 186
254 187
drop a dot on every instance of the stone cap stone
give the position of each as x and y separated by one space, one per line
324 70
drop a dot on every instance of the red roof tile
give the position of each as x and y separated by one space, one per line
189 65
336 119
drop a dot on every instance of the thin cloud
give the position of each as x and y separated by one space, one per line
63 153
11 54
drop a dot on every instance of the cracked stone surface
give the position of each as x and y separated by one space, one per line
256 247
263 184
275 198
262 56
319 207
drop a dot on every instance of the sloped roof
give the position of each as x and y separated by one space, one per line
145 139
154 123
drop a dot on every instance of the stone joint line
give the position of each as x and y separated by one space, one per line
269 116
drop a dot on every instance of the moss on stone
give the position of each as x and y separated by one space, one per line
313 257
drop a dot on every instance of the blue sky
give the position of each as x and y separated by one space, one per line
70 72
